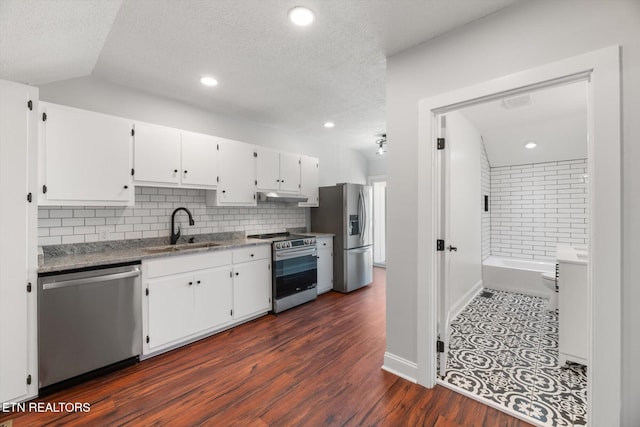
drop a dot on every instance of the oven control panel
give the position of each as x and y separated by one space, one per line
286 244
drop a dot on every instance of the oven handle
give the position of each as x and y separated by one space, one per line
295 253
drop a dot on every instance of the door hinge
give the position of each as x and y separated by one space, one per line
231 274
148 339
30 105
133 171
440 245
268 266
299 161
256 182
231 311
218 147
146 291
29 287
217 179
254 196
440 143
44 189
440 346
29 197
133 132
44 117
28 379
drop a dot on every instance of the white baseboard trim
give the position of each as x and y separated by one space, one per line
490 403
465 300
400 367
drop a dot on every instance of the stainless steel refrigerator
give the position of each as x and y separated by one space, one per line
345 210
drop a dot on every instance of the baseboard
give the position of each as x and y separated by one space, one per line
400 367
465 300
518 291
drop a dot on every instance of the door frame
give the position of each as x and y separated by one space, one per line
370 181
601 69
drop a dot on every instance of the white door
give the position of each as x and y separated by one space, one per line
156 154
171 302
251 288
309 180
213 298
461 219
325 264
379 221
290 173
237 172
267 169
199 159
87 155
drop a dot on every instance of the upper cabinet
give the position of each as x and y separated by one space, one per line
236 173
156 155
277 171
169 157
85 158
309 181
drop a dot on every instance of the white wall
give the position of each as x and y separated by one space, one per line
520 37
464 150
337 163
485 189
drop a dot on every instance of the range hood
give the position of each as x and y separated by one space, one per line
272 196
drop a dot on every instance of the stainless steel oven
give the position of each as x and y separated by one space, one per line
295 269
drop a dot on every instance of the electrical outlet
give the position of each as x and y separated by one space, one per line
103 233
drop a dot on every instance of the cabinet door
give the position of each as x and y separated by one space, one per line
267 169
87 156
17 242
156 154
199 160
290 173
237 173
325 265
171 301
213 298
251 288
309 180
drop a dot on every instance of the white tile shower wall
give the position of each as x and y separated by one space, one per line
485 190
534 207
151 217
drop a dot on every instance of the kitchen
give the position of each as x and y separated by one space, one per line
107 90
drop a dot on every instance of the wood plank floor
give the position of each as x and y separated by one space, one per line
318 364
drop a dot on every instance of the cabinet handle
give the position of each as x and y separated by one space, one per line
186 171
198 282
251 255
190 283
224 191
126 186
237 274
175 171
277 180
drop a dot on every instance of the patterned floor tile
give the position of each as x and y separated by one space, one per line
505 349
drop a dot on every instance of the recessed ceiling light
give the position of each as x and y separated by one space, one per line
301 16
208 81
329 124
530 145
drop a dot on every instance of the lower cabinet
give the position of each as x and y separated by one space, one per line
187 297
325 264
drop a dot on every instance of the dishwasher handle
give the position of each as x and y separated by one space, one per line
88 280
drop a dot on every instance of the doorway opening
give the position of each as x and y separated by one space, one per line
601 69
379 184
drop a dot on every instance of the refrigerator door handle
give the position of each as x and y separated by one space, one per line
361 222
360 250
364 217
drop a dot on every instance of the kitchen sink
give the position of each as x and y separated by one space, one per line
161 249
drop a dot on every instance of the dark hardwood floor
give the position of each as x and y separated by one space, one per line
318 364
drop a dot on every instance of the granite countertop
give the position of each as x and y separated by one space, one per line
311 233
73 256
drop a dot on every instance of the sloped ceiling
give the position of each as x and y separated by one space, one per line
269 71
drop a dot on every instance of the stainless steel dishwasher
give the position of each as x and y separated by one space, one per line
87 320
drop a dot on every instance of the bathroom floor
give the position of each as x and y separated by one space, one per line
504 348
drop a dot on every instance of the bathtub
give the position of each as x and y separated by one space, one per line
516 275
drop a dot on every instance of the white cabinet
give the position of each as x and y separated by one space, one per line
251 281
18 263
169 157
156 155
309 180
85 158
199 160
276 171
572 311
325 263
187 297
237 175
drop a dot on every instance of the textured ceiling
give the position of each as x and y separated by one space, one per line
270 71
556 120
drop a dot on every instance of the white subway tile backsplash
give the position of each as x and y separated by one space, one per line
535 207
151 217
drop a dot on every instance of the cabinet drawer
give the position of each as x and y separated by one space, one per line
324 242
176 264
251 253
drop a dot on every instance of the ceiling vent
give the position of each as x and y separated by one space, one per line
516 101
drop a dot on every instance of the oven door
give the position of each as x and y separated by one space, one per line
296 270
